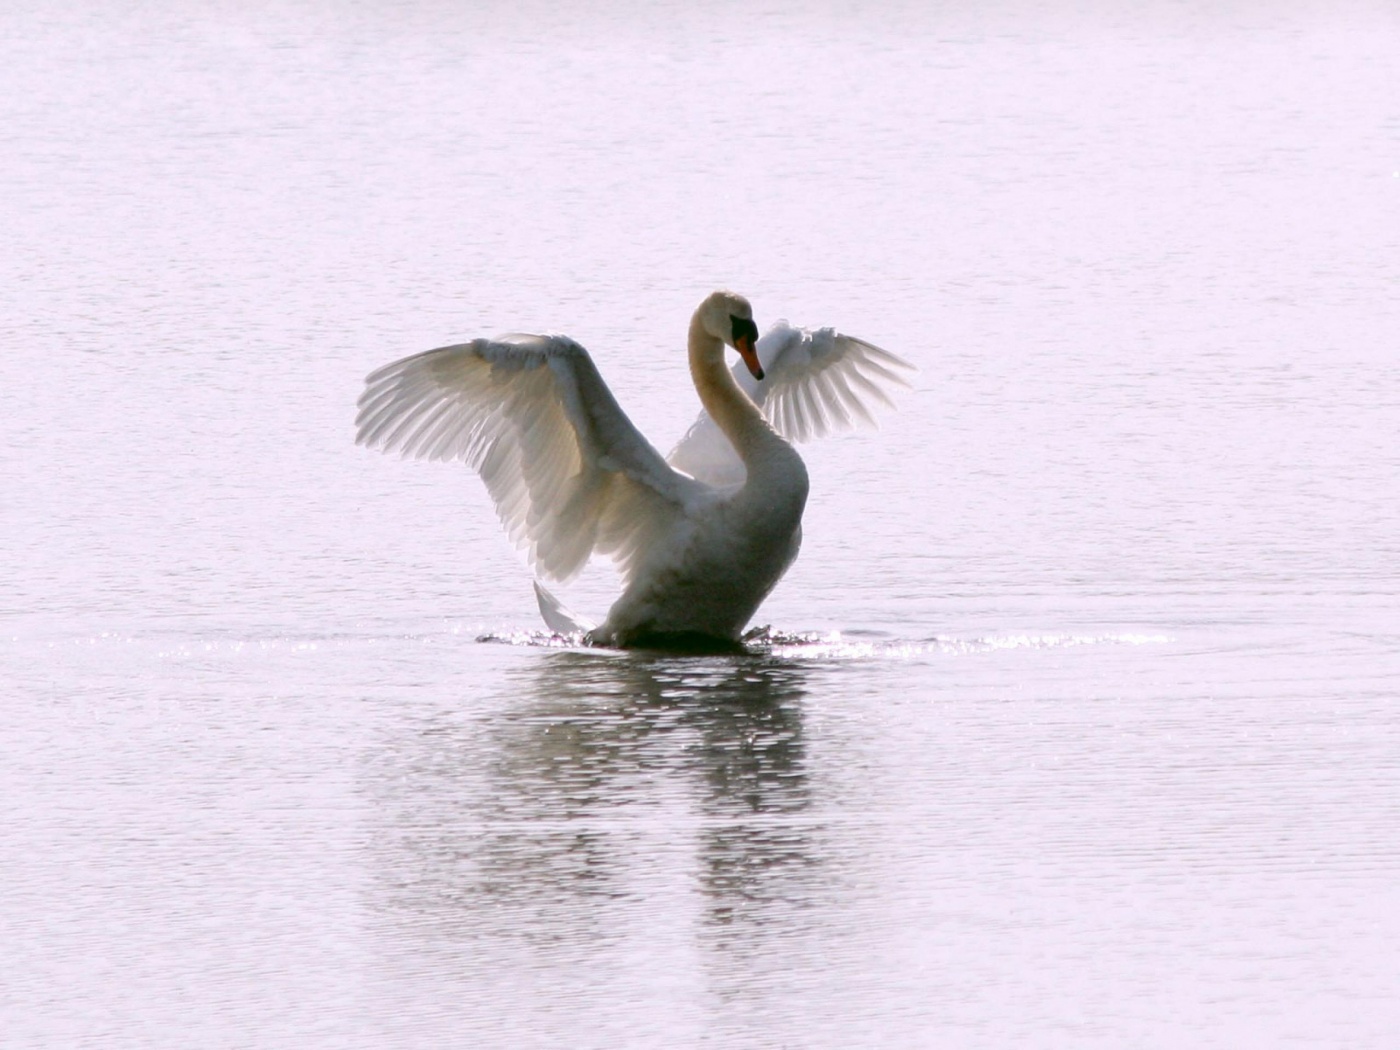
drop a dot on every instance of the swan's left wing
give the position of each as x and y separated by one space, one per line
569 473
816 382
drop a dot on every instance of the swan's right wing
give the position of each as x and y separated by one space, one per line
569 473
816 381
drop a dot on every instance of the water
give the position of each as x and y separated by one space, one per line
1077 725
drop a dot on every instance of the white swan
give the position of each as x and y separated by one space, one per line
699 542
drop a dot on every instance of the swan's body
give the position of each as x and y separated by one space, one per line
698 547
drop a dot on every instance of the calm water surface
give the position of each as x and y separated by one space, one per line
1077 723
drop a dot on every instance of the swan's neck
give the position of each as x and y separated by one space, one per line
731 409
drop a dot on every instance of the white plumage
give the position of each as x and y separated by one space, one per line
816 382
699 541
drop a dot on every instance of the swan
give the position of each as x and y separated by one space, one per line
700 538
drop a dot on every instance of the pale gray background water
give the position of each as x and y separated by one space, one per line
1105 752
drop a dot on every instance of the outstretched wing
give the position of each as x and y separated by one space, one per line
816 382
819 381
569 473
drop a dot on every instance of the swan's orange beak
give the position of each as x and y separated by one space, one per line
744 344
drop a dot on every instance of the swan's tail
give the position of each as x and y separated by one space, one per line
557 618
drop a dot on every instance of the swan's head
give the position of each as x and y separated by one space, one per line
729 318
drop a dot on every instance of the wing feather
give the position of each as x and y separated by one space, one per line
821 381
818 381
569 474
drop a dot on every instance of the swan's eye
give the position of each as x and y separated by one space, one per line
742 327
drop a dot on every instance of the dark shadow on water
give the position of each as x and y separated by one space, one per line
593 777
759 641
687 643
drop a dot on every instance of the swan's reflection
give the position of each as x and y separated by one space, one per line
607 782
